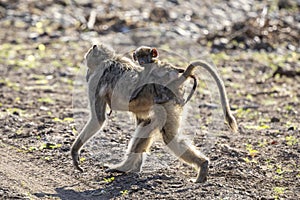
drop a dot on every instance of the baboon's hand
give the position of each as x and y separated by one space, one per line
75 158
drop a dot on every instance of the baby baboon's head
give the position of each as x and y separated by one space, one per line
97 54
145 55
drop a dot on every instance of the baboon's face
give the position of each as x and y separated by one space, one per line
144 55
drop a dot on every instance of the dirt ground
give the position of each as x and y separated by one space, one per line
253 44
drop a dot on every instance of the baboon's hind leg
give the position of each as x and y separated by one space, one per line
183 149
187 153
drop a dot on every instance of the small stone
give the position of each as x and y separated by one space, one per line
275 119
159 14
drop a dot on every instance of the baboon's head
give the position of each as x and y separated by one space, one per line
97 54
144 55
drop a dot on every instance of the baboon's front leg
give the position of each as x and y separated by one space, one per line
138 146
94 124
141 142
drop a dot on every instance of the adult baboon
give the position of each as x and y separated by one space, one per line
112 80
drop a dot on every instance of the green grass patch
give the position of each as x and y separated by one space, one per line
47 100
251 152
66 119
50 146
124 192
291 140
109 180
278 191
17 111
257 127
15 86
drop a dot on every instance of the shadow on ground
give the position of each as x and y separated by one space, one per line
116 188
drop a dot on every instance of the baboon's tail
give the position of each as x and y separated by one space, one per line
231 121
225 105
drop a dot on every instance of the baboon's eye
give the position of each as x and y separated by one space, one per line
94 46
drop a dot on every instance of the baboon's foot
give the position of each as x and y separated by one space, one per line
132 164
202 174
121 168
115 169
112 170
75 158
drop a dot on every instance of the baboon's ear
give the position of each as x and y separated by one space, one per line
154 53
134 56
96 50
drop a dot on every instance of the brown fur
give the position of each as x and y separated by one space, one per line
112 80
147 57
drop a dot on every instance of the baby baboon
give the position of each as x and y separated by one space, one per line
112 79
147 57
